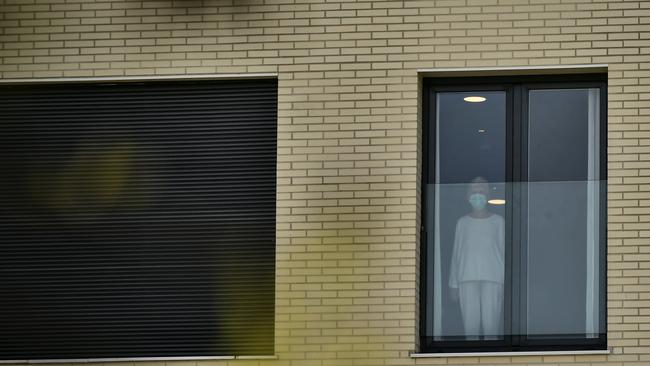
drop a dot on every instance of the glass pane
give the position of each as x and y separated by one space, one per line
563 205
465 217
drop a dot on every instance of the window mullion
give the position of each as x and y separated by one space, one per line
518 144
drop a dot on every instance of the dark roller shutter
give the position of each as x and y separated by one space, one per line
137 219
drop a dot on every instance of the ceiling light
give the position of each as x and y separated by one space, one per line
481 130
497 202
474 99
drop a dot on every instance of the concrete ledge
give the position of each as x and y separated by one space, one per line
271 357
511 354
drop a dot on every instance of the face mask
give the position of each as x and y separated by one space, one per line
478 201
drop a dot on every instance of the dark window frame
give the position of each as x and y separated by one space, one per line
516 88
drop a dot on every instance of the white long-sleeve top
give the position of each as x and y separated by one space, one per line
478 253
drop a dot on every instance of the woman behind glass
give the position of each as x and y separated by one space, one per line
477 265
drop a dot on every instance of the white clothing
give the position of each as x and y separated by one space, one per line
481 304
478 253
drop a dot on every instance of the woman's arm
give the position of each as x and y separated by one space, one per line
455 257
501 238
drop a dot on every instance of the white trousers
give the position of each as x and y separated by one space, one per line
481 304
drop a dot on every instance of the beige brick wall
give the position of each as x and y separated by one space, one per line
348 138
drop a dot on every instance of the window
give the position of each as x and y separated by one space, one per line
138 219
514 220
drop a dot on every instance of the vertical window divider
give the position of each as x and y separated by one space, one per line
603 213
514 136
426 314
522 217
509 278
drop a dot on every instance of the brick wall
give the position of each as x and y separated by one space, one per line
348 137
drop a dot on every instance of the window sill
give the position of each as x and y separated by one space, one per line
135 359
511 354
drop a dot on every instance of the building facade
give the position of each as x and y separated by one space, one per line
350 82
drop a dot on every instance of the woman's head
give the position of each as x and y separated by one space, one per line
478 193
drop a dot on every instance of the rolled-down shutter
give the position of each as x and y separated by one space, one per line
137 219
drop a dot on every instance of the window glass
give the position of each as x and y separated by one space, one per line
562 213
467 295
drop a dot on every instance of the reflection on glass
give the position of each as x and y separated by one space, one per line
465 252
563 231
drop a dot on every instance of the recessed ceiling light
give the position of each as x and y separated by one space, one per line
481 130
474 99
497 201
